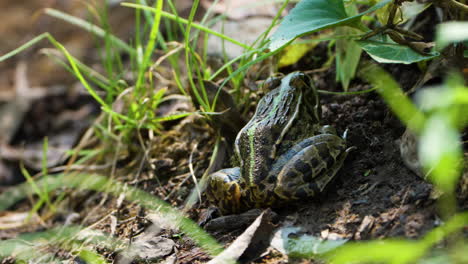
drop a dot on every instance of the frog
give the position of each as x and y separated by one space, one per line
283 154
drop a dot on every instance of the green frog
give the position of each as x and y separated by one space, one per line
283 153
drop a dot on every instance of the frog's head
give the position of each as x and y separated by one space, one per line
299 83
294 91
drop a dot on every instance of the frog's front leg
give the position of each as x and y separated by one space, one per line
309 166
224 190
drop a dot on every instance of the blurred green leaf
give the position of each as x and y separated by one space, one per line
433 98
386 52
91 257
396 251
440 151
312 15
449 99
288 240
389 251
449 32
390 90
100 183
307 246
31 246
440 97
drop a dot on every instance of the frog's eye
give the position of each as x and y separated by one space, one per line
271 83
299 80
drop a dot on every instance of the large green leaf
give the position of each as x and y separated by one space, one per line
386 52
312 15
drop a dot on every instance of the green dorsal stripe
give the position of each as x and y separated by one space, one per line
251 133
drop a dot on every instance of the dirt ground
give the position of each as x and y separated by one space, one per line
374 195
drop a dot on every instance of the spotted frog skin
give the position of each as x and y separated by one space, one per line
283 154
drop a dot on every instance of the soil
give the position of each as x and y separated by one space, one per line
374 195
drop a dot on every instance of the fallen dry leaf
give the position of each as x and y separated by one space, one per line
252 243
9 220
147 248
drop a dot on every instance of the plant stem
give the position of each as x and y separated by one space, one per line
457 5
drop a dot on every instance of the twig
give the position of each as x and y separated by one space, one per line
457 5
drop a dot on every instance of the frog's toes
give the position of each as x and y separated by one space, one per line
345 134
327 129
224 190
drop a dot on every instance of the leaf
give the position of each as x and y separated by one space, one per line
92 257
378 251
346 63
294 53
312 15
288 240
440 151
412 9
148 247
406 11
396 250
386 52
348 53
252 243
449 32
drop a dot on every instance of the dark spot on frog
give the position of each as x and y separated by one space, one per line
301 193
232 189
314 163
304 167
324 153
309 175
261 186
271 180
313 186
291 174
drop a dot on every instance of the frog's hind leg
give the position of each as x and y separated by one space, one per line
322 181
224 190
309 170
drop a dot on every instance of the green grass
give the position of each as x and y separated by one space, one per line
99 183
113 126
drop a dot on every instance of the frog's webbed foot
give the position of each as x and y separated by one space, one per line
224 190
311 165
